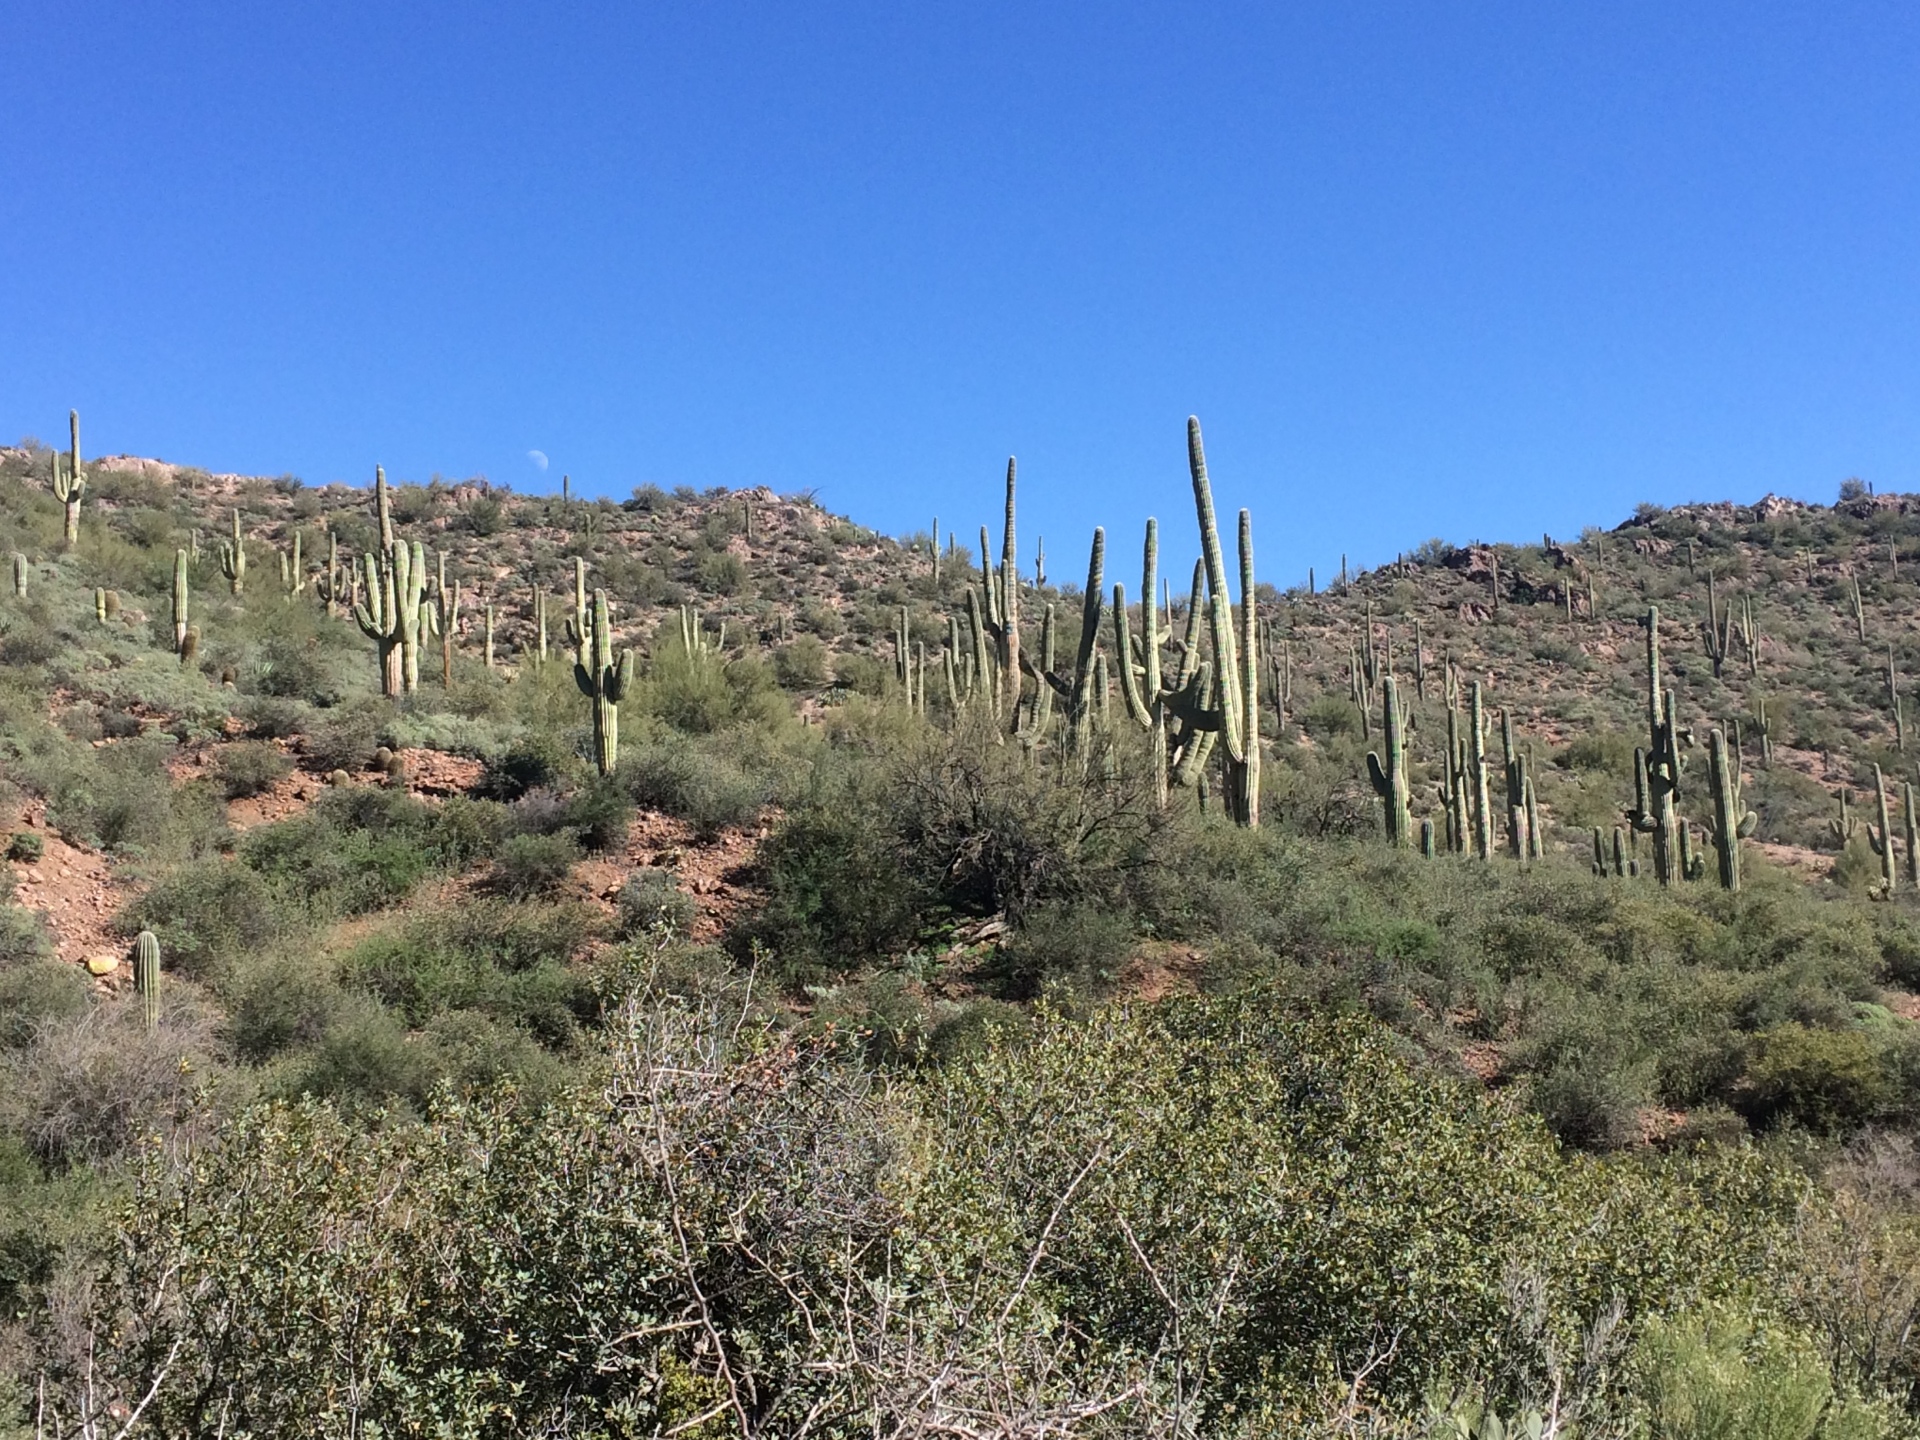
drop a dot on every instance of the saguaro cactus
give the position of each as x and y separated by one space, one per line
1717 629
1238 664
19 575
1145 697
604 683
1514 769
1077 689
335 584
1657 767
1911 824
293 571
233 558
71 481
1846 826
1893 704
180 604
1732 821
1000 610
146 977
1477 774
383 508
1389 776
1880 837
446 616
389 613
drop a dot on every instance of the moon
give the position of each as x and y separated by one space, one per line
538 458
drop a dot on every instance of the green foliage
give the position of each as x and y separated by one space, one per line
527 866
250 768
699 783
1720 1375
1826 1080
1188 1183
650 900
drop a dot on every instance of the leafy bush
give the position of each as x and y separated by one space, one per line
1189 1183
1825 1080
250 768
207 914
692 782
26 847
801 664
649 899
527 866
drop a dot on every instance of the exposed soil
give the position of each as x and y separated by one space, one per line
717 873
74 892
1157 970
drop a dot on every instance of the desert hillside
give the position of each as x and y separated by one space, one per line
702 967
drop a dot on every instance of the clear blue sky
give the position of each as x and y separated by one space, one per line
1476 270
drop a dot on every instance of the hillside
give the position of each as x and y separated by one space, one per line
877 937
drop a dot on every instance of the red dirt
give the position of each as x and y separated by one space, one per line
1157 970
714 873
72 889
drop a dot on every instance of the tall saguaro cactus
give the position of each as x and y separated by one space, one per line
19 575
604 683
1145 699
1514 768
1389 775
1482 817
389 612
1657 767
70 481
999 608
1237 664
233 558
1880 837
1732 821
180 604
293 571
336 583
1078 689
446 617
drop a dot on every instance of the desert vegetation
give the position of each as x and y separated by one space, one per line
482 964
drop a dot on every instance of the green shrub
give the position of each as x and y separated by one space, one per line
250 768
651 900
691 782
598 814
801 664
1826 1080
528 866
285 1004
1079 947
26 847
206 914
23 938
1720 1374
35 991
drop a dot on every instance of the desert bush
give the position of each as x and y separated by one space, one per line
1825 1080
1188 1182
250 768
650 900
35 990
207 914
692 782
526 866
86 1086
801 664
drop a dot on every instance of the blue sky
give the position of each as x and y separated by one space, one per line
1471 270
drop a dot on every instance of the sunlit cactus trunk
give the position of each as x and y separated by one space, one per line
604 683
